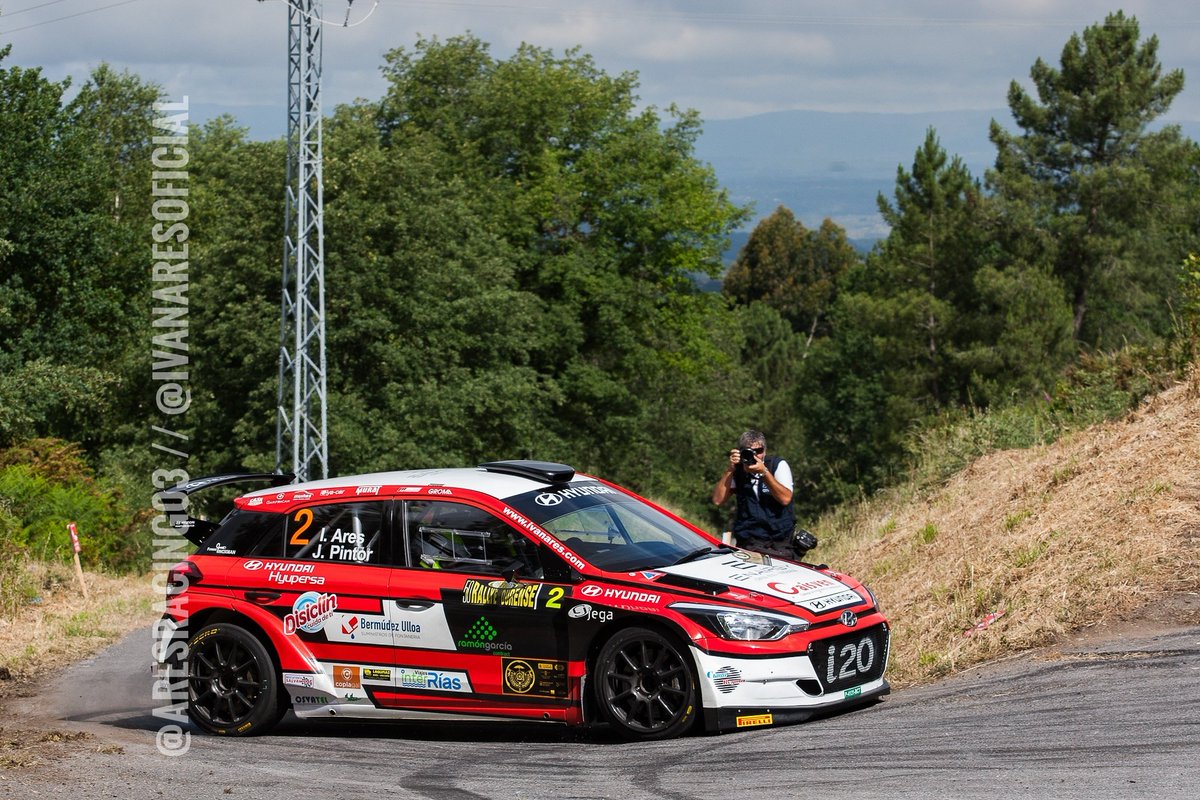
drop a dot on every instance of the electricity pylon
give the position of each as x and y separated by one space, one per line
301 423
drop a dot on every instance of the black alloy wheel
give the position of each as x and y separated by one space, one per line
233 686
644 685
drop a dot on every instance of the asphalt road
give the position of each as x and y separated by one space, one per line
1115 720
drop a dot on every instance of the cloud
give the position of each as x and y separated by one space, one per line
723 57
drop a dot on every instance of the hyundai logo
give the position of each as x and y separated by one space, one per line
252 564
849 619
547 499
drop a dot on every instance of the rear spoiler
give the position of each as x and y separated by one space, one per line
197 530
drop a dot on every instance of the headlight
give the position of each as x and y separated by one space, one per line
874 599
740 624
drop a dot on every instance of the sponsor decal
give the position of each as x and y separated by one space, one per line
286 573
440 491
800 588
610 593
351 697
547 499
254 501
310 700
726 679
550 541
298 679
220 550
482 636
534 678
332 492
255 564
372 629
852 693
367 490
830 601
650 576
376 674
585 611
433 680
518 676
346 677
501 593
754 719
582 491
291 579
309 612
302 496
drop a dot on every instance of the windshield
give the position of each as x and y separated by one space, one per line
611 530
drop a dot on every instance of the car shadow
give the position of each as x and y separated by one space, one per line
465 731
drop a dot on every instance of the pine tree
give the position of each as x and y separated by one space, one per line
1104 196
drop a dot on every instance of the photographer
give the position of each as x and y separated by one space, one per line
764 520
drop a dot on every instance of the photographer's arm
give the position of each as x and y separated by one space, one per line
780 492
722 491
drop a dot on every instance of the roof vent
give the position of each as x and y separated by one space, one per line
541 471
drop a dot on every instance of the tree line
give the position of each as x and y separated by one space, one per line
513 250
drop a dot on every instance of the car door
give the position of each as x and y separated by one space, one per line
333 568
500 633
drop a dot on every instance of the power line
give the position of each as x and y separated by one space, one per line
30 8
343 24
68 16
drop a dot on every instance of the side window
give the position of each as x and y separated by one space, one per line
347 533
246 533
462 538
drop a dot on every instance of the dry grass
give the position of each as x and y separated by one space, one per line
1092 529
61 627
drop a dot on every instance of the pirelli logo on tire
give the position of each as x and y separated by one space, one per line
753 720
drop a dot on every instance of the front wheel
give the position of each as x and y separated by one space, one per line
233 686
644 685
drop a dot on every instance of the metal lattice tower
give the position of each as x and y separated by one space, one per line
301 414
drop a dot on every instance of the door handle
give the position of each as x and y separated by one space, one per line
262 598
413 603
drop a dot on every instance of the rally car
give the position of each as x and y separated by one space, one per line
518 589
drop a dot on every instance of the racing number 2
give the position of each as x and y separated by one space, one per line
307 515
556 596
854 659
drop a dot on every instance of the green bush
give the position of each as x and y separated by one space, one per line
44 485
1099 387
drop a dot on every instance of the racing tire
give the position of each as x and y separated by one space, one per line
644 686
233 685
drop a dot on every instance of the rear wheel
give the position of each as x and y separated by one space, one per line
644 685
233 686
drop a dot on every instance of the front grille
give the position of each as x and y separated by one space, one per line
851 659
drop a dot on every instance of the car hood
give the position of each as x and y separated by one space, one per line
770 582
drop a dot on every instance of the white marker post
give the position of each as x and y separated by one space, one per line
78 567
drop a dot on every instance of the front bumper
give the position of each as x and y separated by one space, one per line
839 672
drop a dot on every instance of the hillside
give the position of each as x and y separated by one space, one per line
1099 528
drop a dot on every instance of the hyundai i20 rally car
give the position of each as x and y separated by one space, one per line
519 589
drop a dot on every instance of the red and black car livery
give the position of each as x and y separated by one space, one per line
518 589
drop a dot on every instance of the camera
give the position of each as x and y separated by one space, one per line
747 455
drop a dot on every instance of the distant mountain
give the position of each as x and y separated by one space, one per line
822 164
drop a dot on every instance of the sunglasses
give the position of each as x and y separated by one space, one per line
758 451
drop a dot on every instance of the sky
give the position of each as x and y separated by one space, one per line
726 59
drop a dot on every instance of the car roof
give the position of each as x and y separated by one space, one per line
497 484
